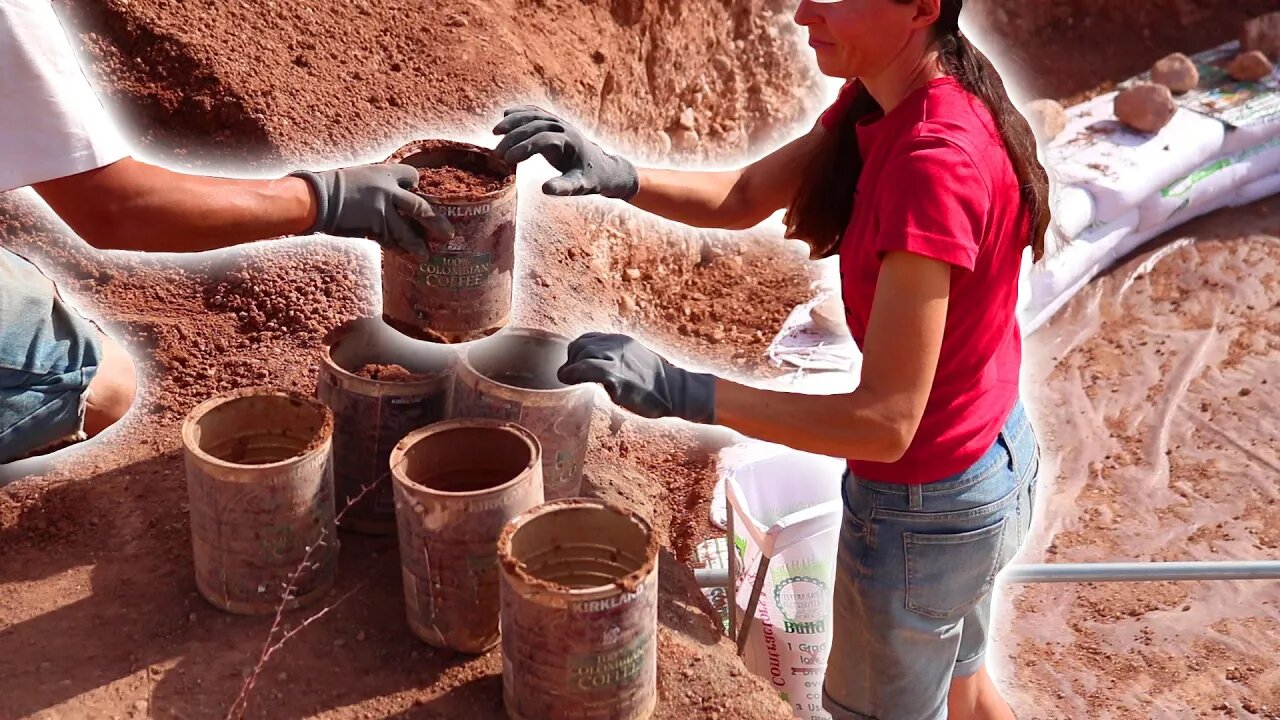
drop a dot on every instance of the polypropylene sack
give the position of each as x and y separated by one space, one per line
1121 167
1257 190
1056 279
1211 185
787 507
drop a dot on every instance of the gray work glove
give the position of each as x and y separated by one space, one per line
374 201
638 379
585 168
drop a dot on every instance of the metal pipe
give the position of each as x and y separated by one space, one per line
1101 572
728 579
761 570
1143 571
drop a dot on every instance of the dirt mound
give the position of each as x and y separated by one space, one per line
291 82
1067 50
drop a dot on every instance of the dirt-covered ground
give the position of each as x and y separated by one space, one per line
1151 389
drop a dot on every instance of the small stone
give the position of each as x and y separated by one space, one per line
282 677
393 101
687 118
1145 107
1176 72
1245 392
627 305
396 67
664 142
1047 117
632 273
598 57
457 21
140 706
1250 66
360 636
721 64
1262 34
685 139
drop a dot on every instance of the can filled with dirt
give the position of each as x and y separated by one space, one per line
579 613
260 488
380 385
512 376
462 290
457 484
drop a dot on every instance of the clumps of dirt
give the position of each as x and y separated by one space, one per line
1176 72
388 373
1250 66
298 294
451 181
1146 107
1063 50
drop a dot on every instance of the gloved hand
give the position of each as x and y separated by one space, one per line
638 379
587 170
374 201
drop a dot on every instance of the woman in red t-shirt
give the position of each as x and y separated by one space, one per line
923 177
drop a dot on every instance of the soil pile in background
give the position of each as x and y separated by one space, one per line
1068 50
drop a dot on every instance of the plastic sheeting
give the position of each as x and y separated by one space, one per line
1155 392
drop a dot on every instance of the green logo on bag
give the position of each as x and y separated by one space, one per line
802 600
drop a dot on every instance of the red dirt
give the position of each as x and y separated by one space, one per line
454 181
389 373
100 538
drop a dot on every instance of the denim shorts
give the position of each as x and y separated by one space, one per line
48 356
916 568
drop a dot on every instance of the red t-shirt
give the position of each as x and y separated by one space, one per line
937 181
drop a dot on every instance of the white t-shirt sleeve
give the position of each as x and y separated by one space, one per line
51 123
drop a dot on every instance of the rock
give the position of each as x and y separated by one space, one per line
828 315
1250 66
627 305
664 142
685 139
1176 72
140 706
687 118
632 273
1262 34
1145 107
1047 117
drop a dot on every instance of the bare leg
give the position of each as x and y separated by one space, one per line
112 390
976 698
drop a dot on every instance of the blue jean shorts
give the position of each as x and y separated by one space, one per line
48 356
916 569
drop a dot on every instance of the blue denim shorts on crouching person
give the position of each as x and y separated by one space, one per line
916 569
48 356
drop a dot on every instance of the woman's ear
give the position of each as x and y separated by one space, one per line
927 13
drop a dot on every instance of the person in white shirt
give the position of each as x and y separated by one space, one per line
61 379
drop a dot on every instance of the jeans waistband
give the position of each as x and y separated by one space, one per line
1013 433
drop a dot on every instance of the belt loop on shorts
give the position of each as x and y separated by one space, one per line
915 497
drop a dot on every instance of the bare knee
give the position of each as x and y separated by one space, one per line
112 390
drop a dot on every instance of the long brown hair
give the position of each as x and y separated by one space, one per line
823 204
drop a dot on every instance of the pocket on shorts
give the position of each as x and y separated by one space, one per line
948 573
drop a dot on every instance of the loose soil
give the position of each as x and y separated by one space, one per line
389 373
447 181
1153 447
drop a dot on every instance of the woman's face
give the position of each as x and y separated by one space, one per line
861 38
